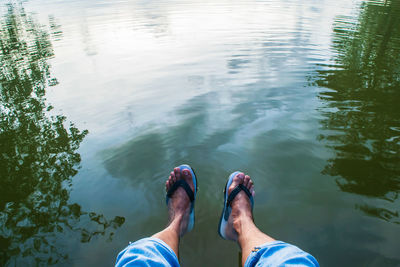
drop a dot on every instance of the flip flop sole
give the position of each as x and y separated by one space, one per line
194 178
222 222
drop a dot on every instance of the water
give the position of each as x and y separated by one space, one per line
101 99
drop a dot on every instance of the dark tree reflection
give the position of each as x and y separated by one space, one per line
38 152
362 111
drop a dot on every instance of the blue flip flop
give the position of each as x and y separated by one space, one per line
189 192
226 212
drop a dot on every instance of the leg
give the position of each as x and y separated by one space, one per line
241 219
178 208
268 253
162 248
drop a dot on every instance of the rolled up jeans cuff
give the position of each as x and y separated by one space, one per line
147 252
278 253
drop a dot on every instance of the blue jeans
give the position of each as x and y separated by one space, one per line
155 252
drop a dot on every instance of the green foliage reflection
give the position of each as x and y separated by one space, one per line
38 155
362 110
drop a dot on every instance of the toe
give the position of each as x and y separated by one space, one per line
246 181
251 189
188 177
186 174
238 179
167 185
177 172
250 183
173 177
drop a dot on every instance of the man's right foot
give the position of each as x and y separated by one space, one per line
179 204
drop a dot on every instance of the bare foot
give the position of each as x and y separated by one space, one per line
179 204
241 206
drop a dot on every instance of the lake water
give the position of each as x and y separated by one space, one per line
101 99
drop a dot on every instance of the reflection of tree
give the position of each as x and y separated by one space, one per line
38 155
363 110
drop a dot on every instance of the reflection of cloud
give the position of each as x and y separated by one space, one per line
236 63
138 159
232 112
90 47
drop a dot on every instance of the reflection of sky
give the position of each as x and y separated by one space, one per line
222 85
147 50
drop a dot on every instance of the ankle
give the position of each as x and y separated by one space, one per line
176 218
242 222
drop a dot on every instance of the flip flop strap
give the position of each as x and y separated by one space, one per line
232 196
184 185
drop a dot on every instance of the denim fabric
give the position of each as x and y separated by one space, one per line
147 252
278 253
155 252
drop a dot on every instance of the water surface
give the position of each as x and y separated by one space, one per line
100 100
